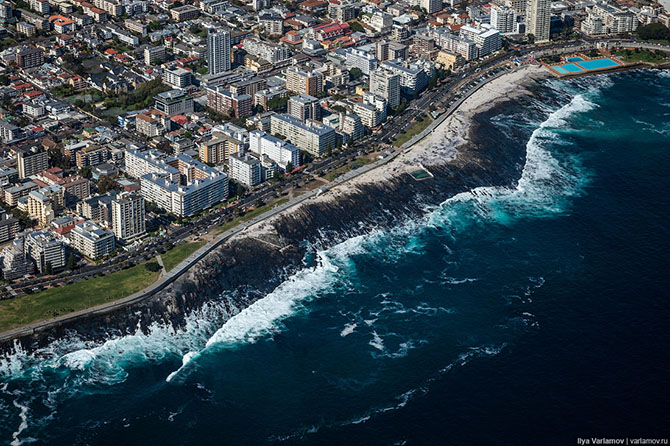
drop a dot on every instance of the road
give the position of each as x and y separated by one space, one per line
451 89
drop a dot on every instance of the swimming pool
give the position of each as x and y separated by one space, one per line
575 59
560 70
569 68
598 63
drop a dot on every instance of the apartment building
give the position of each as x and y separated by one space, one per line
311 137
304 82
31 161
45 250
91 240
128 216
279 151
244 169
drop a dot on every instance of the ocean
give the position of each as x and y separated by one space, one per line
534 314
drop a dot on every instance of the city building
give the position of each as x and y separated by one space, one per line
279 151
503 19
91 240
413 78
218 51
182 185
609 18
364 61
29 57
244 169
304 107
31 161
9 132
41 206
185 12
14 193
9 227
272 23
431 6
487 40
128 216
154 55
232 104
538 19
311 137
386 84
15 263
178 77
304 82
174 102
45 250
268 51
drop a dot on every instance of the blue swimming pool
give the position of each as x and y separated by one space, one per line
560 70
575 59
598 63
570 68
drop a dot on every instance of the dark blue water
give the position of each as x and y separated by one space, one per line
527 315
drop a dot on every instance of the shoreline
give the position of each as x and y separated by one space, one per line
447 151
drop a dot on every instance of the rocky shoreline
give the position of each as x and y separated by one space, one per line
258 260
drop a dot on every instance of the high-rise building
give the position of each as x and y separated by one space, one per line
312 137
154 54
128 216
538 19
15 264
503 19
174 102
281 152
386 84
431 6
218 51
31 161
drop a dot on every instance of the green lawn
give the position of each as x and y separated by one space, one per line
174 256
251 214
417 128
77 296
641 56
330 176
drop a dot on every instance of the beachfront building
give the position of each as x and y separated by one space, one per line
15 263
91 240
503 18
281 152
609 18
45 250
128 216
487 40
245 169
309 136
538 19
386 84
194 188
413 78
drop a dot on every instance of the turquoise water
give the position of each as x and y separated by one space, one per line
575 59
560 70
571 68
530 314
598 63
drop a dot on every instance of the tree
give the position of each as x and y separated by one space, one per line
356 27
107 183
654 31
289 167
85 172
531 38
70 262
58 159
48 269
355 73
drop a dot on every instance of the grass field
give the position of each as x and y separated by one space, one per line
330 176
174 256
641 56
251 214
77 296
417 128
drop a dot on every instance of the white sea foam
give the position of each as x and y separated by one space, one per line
23 415
377 342
348 329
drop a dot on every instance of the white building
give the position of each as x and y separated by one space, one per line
91 240
413 78
128 216
15 263
174 102
360 59
218 51
503 19
178 78
269 51
310 136
381 21
245 169
613 19
281 152
45 250
304 107
386 84
487 40
140 163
